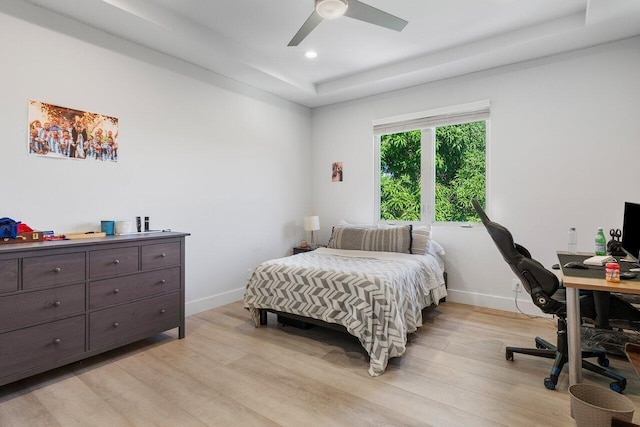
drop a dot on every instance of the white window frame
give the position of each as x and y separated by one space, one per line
426 122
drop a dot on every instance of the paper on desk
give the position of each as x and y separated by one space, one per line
599 260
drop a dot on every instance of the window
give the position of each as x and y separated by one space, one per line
431 165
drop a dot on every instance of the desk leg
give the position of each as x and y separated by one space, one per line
573 330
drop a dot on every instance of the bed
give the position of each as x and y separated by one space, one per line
376 295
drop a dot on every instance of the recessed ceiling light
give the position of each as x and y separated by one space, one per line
311 54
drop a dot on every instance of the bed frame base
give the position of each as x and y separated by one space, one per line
301 322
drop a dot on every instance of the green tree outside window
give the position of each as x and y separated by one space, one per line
460 171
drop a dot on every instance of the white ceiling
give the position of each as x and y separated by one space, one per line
246 40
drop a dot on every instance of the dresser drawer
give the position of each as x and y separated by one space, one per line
103 293
160 255
8 275
112 262
34 307
53 270
40 345
135 320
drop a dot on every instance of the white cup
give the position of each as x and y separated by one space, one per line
123 227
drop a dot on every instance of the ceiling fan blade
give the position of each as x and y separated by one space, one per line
364 12
308 26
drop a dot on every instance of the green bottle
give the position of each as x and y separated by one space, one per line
601 242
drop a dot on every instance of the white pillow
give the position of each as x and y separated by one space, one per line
438 253
344 223
437 249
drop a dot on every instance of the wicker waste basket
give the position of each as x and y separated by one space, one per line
594 406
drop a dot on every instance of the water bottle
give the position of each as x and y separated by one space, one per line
573 240
601 242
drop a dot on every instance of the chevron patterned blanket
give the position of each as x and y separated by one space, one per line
377 296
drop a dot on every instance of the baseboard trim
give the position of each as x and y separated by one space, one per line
472 298
204 304
496 302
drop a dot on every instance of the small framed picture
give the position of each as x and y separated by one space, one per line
336 172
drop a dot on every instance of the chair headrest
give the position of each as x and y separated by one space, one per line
500 236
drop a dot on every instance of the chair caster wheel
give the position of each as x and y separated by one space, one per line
603 361
509 355
549 384
618 387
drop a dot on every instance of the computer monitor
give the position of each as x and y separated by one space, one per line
631 230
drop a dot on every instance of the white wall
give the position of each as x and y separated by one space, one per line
564 151
198 153
204 154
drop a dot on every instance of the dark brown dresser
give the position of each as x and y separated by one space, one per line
63 301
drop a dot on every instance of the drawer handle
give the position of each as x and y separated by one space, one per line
163 255
57 270
116 324
163 281
57 304
163 311
57 341
116 261
116 290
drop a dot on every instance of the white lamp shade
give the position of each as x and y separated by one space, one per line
311 223
331 9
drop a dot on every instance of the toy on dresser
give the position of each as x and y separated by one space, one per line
15 232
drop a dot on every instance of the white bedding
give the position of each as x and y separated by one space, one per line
377 296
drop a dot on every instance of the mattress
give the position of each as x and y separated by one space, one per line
377 296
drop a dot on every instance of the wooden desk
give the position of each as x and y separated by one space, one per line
573 284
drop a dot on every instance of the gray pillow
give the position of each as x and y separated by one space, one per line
421 238
393 239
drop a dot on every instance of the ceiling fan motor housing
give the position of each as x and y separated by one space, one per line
330 9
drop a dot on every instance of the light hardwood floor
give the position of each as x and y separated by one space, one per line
228 373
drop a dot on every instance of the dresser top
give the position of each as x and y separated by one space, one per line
91 241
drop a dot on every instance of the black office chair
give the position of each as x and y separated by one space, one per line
544 288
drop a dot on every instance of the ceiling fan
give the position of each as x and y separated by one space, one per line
331 9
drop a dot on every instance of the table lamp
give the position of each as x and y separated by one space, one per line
312 223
